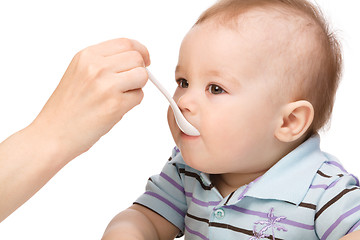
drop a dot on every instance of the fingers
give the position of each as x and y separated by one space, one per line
124 61
133 79
133 98
121 45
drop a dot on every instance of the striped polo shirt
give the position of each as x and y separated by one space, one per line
306 195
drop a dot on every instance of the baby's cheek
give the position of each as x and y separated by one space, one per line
218 126
221 133
169 114
170 118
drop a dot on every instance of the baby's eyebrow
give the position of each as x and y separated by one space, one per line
178 68
224 76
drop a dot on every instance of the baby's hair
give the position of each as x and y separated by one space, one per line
323 73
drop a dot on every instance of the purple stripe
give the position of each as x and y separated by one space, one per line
354 227
167 202
243 192
201 203
196 233
337 165
188 194
297 224
325 186
265 215
319 186
339 220
333 183
247 188
172 181
246 211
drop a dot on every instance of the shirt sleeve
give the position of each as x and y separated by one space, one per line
338 211
165 195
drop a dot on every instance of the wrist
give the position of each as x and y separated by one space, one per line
46 142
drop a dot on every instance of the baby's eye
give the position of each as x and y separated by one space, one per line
183 83
215 89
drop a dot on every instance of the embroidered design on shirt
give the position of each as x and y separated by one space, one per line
258 235
270 224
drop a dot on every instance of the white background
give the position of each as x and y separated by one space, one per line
37 42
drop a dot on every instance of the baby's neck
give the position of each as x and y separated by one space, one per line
230 182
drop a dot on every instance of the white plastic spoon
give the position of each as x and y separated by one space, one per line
183 124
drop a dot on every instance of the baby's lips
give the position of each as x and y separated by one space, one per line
190 129
187 128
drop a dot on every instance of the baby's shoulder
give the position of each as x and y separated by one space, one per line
336 193
333 174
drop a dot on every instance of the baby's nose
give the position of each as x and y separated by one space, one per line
188 102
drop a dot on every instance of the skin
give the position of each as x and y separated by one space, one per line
101 84
231 104
198 61
226 91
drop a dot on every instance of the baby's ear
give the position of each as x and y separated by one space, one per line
295 120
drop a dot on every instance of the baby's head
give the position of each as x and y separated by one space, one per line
256 78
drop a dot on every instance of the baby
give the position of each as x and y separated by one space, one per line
258 79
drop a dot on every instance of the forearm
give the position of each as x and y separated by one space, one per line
28 159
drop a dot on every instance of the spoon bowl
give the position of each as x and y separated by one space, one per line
181 121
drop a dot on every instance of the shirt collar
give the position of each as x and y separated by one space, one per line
291 177
176 158
288 180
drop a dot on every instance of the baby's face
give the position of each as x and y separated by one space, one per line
225 90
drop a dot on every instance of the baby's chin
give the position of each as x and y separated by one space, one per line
193 162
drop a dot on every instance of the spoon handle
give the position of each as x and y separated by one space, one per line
181 121
161 88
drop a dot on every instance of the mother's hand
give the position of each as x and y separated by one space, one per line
101 84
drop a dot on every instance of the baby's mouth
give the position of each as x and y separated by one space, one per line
186 127
188 137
